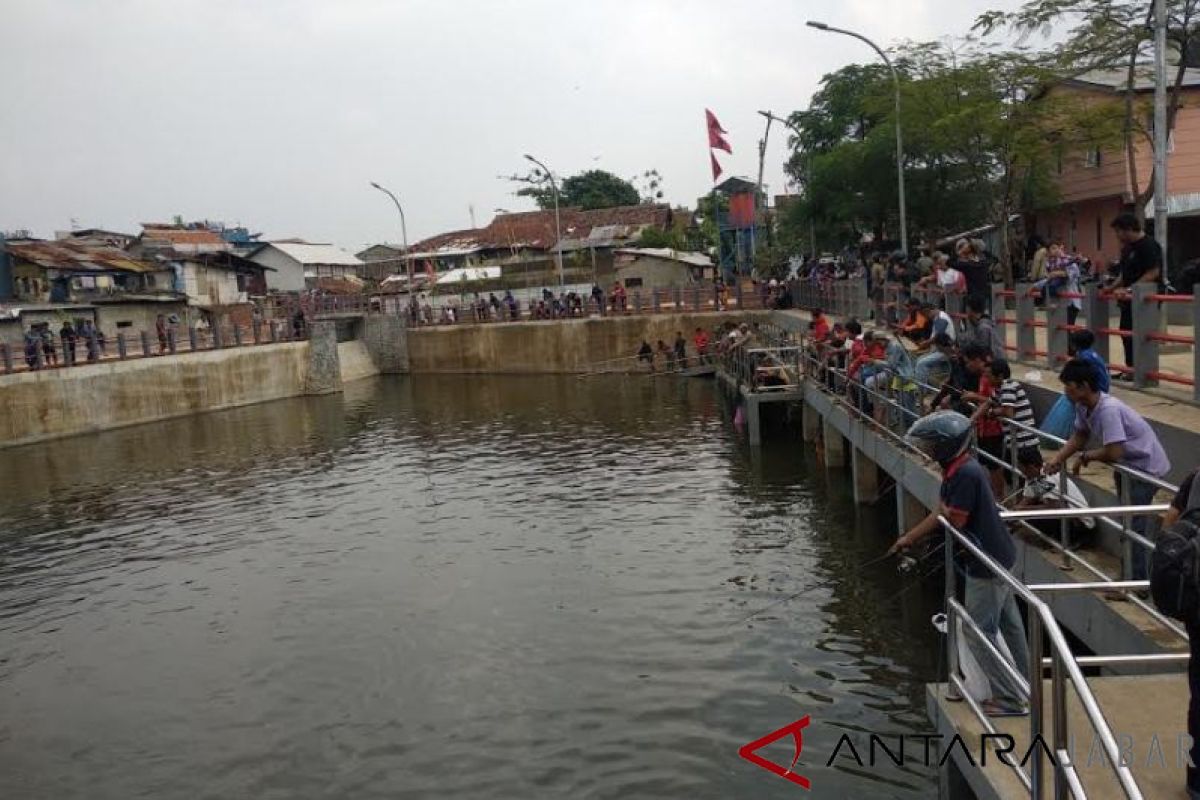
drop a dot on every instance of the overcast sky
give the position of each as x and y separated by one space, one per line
277 113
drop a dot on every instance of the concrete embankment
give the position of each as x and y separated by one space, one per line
61 402
562 346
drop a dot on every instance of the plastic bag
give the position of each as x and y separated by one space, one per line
1060 421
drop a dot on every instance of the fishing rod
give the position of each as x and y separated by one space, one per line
906 566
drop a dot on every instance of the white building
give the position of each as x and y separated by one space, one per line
299 265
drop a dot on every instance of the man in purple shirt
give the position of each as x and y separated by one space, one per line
1123 438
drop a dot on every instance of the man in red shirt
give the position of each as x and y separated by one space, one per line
700 340
820 325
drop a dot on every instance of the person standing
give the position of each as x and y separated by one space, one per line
1124 438
681 350
160 330
975 270
646 354
700 341
67 336
968 504
1141 262
49 351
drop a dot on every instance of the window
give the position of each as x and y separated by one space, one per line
1099 233
633 283
1094 158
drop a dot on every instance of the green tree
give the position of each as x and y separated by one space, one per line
595 188
1111 35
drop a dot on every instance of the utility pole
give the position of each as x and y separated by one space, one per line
1161 134
762 155
812 228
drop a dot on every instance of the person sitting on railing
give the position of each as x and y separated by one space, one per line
1125 438
1081 344
864 365
1063 275
980 329
1043 492
916 326
933 368
968 503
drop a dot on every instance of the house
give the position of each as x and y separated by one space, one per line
194 237
295 266
381 260
649 268
1096 185
215 279
97 236
588 238
64 271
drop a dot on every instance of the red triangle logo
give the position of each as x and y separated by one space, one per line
747 751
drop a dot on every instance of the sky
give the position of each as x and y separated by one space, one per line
277 114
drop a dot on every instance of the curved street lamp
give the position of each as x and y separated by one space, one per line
403 234
821 26
562 276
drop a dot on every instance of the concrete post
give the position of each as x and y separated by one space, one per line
171 340
999 311
386 339
1056 334
1095 306
6 354
145 344
121 352
657 301
835 446
1147 319
192 337
866 478
810 423
324 369
753 418
1026 313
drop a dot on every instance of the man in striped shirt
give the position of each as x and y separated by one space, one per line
1014 405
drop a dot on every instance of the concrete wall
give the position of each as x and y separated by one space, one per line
553 346
54 403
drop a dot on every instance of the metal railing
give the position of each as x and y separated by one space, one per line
1064 666
53 351
905 405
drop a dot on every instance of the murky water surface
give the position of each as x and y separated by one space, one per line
445 587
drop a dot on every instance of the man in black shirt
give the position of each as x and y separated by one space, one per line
1141 262
975 270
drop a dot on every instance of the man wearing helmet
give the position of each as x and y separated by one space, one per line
968 503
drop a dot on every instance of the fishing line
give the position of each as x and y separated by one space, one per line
826 583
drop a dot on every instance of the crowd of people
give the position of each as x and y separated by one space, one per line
950 391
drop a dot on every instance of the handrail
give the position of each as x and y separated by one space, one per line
1063 659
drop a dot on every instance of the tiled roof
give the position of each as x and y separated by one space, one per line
535 229
181 236
78 256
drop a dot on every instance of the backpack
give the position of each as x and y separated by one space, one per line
1175 569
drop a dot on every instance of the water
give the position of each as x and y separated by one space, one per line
449 587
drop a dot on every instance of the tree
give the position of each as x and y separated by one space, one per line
1112 35
592 189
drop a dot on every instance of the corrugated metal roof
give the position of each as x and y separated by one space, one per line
683 256
307 253
1116 79
77 256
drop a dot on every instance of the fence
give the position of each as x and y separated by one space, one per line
48 350
1065 668
1019 310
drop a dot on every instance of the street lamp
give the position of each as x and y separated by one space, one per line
562 276
821 26
403 234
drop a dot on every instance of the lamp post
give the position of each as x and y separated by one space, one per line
562 276
821 26
403 234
